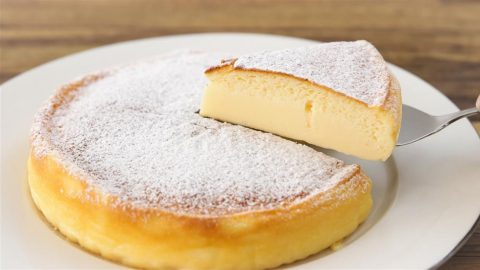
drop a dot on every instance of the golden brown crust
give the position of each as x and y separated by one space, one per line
223 63
393 101
101 227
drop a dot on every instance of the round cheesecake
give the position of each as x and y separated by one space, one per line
122 163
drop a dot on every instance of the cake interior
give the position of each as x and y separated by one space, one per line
298 109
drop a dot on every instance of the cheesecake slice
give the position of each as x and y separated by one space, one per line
338 95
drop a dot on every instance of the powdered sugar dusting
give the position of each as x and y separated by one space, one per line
134 134
355 69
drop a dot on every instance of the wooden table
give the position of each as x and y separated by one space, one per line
437 40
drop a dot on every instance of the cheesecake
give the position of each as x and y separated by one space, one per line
338 95
122 164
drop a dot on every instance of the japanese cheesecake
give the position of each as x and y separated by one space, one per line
337 95
122 164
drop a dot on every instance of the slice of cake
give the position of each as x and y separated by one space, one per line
337 95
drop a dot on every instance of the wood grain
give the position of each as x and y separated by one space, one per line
437 40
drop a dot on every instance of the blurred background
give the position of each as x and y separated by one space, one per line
439 40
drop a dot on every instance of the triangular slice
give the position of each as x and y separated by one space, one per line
337 95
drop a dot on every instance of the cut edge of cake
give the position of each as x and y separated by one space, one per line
302 109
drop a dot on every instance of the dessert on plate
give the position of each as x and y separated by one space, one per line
122 164
337 95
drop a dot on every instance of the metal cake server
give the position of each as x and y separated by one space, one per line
417 125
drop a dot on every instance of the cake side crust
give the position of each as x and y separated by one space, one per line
156 239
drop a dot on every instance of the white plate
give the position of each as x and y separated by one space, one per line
426 195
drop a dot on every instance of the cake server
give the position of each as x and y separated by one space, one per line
417 125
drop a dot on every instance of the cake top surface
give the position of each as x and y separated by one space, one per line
135 134
355 69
